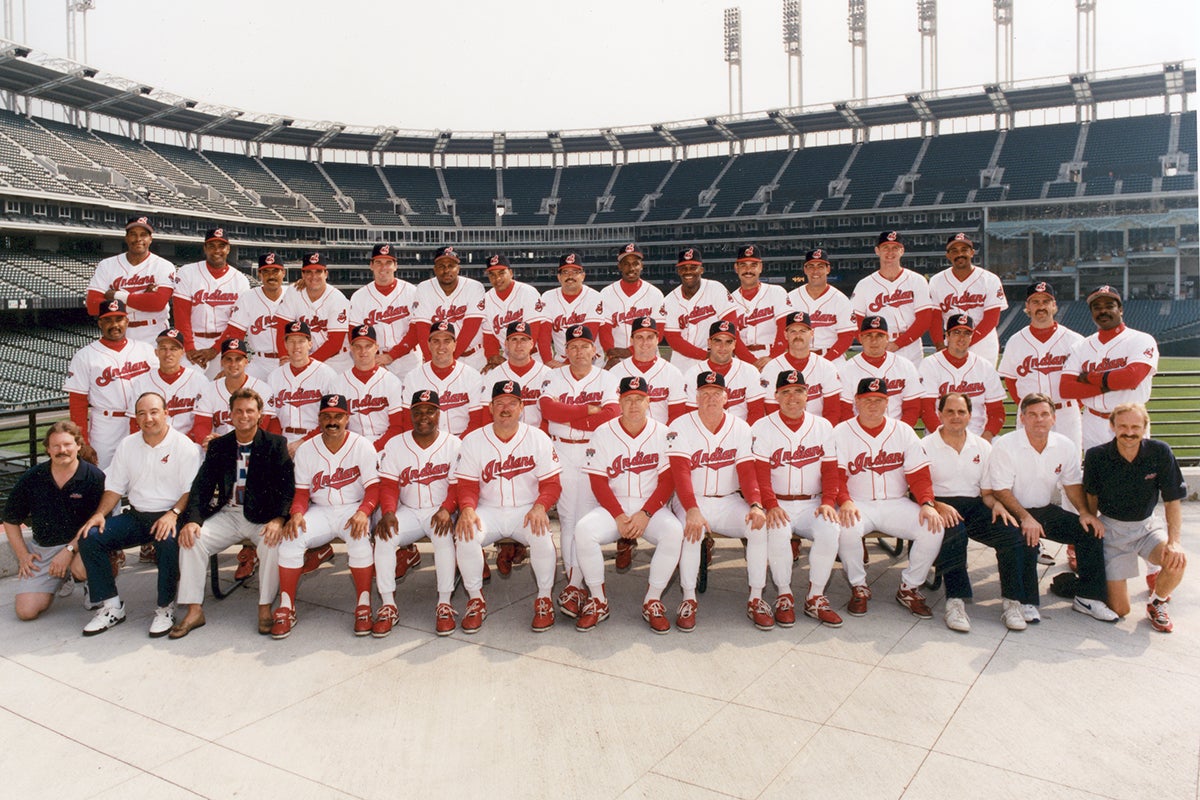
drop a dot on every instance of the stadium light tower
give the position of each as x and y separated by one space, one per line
77 9
10 31
857 21
1085 36
794 47
927 27
1002 13
733 53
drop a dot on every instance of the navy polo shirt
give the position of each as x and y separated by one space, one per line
1129 490
57 514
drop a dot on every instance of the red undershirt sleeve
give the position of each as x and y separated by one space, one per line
844 340
491 345
468 492
755 410
470 328
202 425
749 482
763 471
181 307
831 480
662 493
332 346
681 470
921 484
677 343
995 417
921 324
300 501
78 408
675 410
395 428
1011 385
991 318
606 337
150 301
566 413
831 409
370 499
910 411
604 495
451 501
929 414
545 342
548 491
389 495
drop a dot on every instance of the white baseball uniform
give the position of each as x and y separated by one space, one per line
1092 355
391 315
619 309
831 315
976 378
691 317
295 397
154 271
214 402
824 383
877 469
182 394
979 293
794 459
463 303
561 313
742 383
105 377
632 466
212 299
423 478
897 301
756 316
904 383
372 400
665 382
328 314
530 381
521 304
509 474
1035 366
255 318
460 392
337 483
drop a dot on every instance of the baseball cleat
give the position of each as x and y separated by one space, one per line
543 614
520 554
594 612
487 571
315 557
859 595
247 563
282 622
655 613
1156 612
785 610
473 619
685 618
795 550
504 558
819 609
624 559
406 559
362 620
385 618
760 614
443 617
116 560
571 600
914 601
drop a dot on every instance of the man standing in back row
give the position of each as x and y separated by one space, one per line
623 301
141 280
971 290
205 295
899 295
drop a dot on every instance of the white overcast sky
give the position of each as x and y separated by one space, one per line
533 65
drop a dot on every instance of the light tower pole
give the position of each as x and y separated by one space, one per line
927 27
1085 36
794 47
1002 13
857 22
77 9
733 55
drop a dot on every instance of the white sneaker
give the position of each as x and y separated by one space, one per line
68 586
956 615
107 617
1030 613
1013 616
1096 609
164 620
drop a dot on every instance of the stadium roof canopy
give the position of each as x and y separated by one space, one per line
75 86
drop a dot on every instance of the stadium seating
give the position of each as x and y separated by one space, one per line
633 183
1032 156
474 192
807 178
875 169
578 189
526 188
745 176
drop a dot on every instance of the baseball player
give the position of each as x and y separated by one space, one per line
154 468
506 302
181 387
324 309
717 492
295 389
524 369
458 385
569 305
507 475
243 491
213 417
141 280
829 310
630 477
375 395
451 298
1112 366
1123 480
663 379
337 490
899 295
416 500
960 370
958 461
1034 357
742 380
824 383
99 381
691 308
623 301
255 317
386 304
758 305
882 462
798 478
205 295
971 290
576 399
903 381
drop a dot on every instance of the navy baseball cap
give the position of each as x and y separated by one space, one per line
955 321
792 377
709 378
383 250
722 327
820 256
112 308
689 255
643 324
633 384
445 252
960 237
569 261
797 318
748 252
139 222
1104 291
518 328
868 386
630 249
312 260
506 388
1040 287
174 334
334 402
497 262
580 332
299 326
215 235
234 346
425 397
270 260
442 326
873 323
890 236
363 332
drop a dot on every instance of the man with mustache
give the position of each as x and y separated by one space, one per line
967 289
205 295
141 280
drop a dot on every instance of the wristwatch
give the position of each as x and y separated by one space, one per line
71 548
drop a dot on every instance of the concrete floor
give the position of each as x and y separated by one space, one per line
887 706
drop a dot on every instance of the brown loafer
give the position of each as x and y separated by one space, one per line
186 625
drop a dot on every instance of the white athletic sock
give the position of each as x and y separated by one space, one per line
113 602
1154 598
444 597
387 598
364 598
